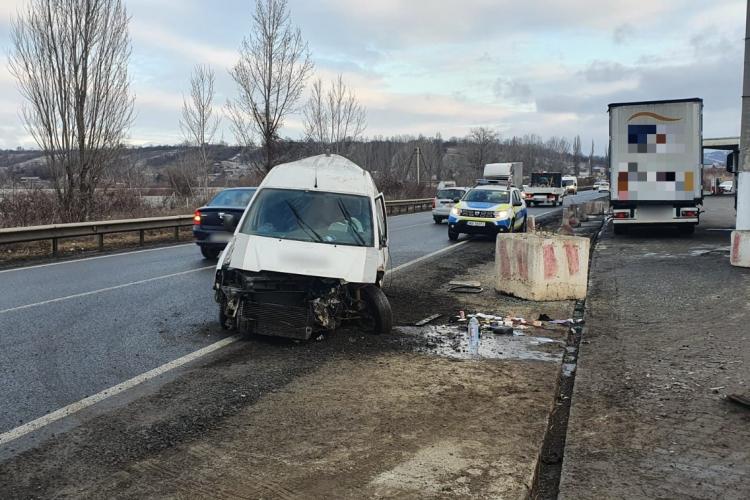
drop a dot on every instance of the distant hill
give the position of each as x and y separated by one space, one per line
715 156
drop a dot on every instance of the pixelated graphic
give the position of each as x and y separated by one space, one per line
645 179
631 183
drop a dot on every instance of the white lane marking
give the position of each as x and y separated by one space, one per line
72 408
95 258
100 290
428 256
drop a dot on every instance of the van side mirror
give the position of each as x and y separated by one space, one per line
230 222
517 203
732 162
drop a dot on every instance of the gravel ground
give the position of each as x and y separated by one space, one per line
666 338
351 416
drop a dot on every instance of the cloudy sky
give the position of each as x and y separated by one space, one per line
443 66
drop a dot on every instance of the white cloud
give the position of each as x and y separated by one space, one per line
160 38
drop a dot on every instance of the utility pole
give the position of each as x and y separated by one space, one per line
740 249
419 152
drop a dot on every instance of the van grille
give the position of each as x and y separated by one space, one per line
276 320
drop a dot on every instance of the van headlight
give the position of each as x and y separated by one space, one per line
455 211
501 214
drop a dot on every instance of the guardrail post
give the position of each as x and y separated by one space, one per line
177 233
141 237
101 241
54 247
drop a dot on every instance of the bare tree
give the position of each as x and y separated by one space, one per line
335 120
577 154
271 73
70 59
198 122
483 143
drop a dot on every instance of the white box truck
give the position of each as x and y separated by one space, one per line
656 163
510 174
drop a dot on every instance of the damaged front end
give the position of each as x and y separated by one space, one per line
284 305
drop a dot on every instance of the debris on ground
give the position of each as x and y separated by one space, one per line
428 319
465 287
739 399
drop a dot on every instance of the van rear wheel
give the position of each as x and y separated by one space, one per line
379 317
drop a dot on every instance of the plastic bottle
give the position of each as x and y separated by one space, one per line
473 337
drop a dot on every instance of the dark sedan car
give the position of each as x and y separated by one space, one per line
208 222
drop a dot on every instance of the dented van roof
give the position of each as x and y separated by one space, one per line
330 173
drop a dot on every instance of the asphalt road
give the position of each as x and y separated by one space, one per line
71 329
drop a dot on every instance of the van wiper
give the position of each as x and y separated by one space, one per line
350 222
304 225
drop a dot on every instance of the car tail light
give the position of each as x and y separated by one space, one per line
197 218
690 213
622 215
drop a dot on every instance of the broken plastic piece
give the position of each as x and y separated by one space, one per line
426 320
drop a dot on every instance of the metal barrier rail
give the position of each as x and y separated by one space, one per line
56 232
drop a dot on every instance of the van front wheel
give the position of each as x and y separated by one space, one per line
379 317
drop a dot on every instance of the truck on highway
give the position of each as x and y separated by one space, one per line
507 174
656 163
309 253
545 187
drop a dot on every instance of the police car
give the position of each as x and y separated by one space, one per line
488 209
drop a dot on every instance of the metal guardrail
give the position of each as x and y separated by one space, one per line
56 232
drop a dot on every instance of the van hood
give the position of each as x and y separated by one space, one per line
259 253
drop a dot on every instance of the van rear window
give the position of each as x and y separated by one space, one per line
449 194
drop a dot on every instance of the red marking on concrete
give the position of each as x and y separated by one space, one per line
735 254
571 253
504 259
550 262
522 264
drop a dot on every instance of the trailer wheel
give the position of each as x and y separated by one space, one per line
377 309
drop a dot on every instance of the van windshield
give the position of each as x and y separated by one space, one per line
488 195
314 216
568 182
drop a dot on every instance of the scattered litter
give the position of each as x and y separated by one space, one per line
739 399
568 369
717 389
320 337
544 317
502 330
465 286
423 322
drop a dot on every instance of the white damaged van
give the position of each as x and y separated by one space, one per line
309 253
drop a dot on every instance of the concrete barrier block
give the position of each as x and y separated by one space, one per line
739 254
541 267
